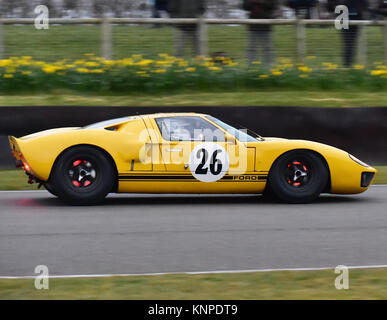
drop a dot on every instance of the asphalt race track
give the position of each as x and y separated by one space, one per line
150 234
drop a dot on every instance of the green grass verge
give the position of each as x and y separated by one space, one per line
71 42
381 177
301 98
17 180
363 284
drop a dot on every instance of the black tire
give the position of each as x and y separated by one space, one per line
50 189
298 177
83 175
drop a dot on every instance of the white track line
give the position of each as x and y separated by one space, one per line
191 272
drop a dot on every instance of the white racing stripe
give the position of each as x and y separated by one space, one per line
382 266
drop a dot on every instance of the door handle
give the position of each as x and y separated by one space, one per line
174 150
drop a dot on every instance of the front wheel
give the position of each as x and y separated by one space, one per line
83 176
298 177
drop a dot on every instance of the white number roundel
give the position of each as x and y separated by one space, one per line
209 162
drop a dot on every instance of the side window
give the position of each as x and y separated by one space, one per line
189 129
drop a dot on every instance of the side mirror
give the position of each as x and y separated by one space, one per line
230 139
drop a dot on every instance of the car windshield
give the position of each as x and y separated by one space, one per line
107 123
190 128
241 134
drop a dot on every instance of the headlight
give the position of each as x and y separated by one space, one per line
358 161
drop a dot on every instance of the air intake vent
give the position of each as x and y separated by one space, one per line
366 178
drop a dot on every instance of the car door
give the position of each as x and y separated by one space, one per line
193 145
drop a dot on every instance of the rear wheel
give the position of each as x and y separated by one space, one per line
50 189
83 176
298 177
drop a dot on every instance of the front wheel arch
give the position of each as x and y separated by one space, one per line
107 154
329 183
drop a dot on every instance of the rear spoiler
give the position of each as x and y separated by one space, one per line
20 161
16 151
15 147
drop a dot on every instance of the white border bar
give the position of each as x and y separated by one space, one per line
382 266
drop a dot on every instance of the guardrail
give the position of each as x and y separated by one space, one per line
107 44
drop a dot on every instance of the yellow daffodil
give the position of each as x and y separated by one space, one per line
127 62
5 62
80 62
378 72
330 66
83 70
97 71
276 73
92 64
49 69
109 62
208 64
305 69
144 62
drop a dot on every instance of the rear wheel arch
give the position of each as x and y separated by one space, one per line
107 154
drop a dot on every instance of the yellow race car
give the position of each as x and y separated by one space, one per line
183 153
